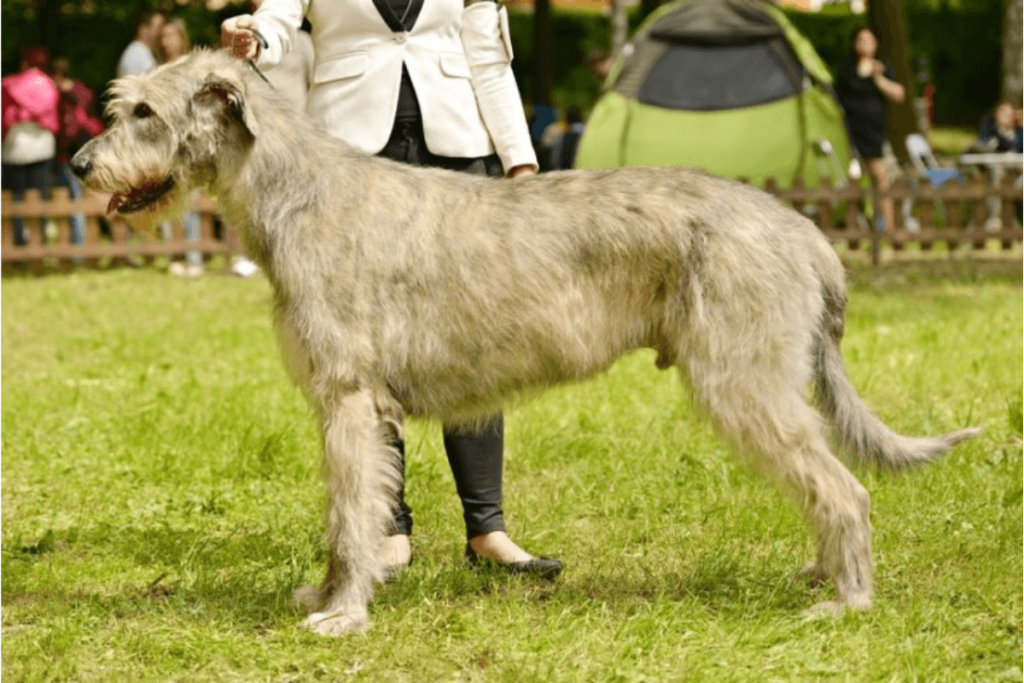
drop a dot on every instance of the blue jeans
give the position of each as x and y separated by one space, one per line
68 179
190 226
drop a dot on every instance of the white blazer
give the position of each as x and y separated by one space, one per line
470 104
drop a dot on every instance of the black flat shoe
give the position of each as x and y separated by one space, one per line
541 567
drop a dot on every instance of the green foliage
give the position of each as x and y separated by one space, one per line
93 34
162 498
966 63
575 34
962 44
961 39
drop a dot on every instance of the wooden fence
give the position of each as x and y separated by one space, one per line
108 240
976 213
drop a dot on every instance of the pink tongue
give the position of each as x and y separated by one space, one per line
115 200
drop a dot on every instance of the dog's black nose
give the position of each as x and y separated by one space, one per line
80 166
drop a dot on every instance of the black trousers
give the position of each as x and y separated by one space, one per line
21 177
476 459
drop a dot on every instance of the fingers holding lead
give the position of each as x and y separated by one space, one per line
239 36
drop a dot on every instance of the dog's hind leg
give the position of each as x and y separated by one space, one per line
361 475
757 402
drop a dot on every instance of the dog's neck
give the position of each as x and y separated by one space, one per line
262 190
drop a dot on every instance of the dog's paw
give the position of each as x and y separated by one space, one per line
828 608
836 608
337 623
309 598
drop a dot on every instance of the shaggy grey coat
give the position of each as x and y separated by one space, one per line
403 291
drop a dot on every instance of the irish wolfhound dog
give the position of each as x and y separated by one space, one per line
404 291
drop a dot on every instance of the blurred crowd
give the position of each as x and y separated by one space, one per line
48 115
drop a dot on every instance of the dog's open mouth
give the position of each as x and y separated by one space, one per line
139 198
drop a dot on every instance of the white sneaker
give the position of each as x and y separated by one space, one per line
243 267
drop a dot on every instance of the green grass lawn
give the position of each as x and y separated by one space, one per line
162 498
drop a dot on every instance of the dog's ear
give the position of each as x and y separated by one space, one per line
220 92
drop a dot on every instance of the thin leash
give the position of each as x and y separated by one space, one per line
252 62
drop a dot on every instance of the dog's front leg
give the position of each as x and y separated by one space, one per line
360 470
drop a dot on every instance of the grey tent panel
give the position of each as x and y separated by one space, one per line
716 77
711 21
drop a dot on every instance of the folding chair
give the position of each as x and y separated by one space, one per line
926 165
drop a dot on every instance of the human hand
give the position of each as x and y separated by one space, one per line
237 37
865 67
522 169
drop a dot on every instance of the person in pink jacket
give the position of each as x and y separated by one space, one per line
31 121
429 83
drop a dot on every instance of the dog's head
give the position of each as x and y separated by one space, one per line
181 127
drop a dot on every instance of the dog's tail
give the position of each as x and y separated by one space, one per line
861 434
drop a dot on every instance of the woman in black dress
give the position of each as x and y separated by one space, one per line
865 84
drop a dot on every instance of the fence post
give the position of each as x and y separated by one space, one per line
1010 207
897 232
979 211
876 224
952 206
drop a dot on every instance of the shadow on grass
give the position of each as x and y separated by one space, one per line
243 576
712 582
246 579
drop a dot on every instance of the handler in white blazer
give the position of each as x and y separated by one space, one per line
425 82
459 69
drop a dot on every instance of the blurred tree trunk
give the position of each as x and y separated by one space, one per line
543 53
1013 46
889 25
46 15
620 26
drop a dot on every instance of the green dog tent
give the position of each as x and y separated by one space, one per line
729 86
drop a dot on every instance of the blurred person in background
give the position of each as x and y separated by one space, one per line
78 123
140 55
173 43
563 150
1000 130
865 84
31 121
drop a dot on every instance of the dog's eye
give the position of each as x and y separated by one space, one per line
142 111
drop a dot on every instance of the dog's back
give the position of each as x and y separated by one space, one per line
445 294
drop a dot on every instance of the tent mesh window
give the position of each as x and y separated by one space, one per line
715 77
